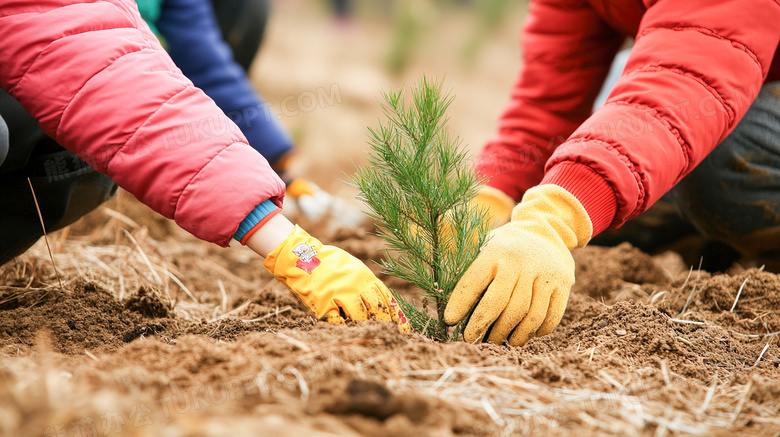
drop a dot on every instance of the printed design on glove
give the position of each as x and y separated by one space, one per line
394 307
307 257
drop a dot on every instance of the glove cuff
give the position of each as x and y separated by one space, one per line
285 253
498 204
563 212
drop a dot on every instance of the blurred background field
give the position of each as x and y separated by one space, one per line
472 46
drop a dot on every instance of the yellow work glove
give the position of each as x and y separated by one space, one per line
333 283
523 275
498 204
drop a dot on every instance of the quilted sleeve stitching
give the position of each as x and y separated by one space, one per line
140 126
632 166
663 121
707 32
697 78
195 175
84 85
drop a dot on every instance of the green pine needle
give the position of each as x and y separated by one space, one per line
418 187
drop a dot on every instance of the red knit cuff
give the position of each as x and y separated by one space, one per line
259 225
590 188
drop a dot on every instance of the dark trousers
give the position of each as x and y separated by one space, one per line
65 187
733 196
3 140
242 23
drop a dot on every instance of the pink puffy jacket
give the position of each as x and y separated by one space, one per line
99 83
696 67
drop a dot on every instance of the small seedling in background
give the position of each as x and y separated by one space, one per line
419 188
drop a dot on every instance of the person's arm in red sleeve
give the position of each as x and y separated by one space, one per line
567 51
695 69
521 280
100 84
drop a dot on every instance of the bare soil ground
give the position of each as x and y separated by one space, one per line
154 333
142 340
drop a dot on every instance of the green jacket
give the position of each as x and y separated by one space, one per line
150 12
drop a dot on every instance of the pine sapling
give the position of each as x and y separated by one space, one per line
419 188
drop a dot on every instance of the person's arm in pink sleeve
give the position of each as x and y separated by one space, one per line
100 84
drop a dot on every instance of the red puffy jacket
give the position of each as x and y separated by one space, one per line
100 84
696 67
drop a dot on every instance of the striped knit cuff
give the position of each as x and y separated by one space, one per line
256 218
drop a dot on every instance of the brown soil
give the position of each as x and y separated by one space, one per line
155 333
262 359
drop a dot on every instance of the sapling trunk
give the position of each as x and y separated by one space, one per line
419 188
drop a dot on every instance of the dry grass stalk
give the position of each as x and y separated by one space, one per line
656 297
687 278
295 342
689 322
708 397
682 340
121 217
45 237
761 355
183 287
665 372
742 400
233 311
687 302
228 274
739 293
156 277
271 314
223 305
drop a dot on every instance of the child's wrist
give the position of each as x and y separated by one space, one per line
271 234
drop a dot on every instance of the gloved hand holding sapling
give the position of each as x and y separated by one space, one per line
419 188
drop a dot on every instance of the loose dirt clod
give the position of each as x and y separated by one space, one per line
148 303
